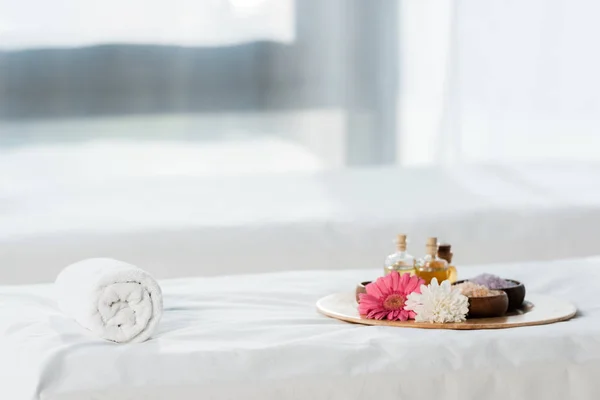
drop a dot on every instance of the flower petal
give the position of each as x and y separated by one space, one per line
373 289
367 298
404 280
380 315
402 316
445 285
413 284
383 285
368 303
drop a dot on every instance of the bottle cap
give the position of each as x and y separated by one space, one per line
432 241
401 241
431 246
444 248
445 252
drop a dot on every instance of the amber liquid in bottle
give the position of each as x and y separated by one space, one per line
432 266
433 270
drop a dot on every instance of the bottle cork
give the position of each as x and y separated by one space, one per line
401 242
431 245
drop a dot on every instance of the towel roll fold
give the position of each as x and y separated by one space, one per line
115 300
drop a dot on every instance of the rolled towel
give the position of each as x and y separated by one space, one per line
115 300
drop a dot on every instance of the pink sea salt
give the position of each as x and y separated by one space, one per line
471 289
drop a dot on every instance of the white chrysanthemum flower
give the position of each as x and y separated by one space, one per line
438 303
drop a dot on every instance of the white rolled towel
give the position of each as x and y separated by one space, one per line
115 300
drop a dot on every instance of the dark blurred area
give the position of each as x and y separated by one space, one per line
343 56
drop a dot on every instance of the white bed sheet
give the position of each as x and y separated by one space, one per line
260 337
176 225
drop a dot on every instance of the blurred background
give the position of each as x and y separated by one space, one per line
240 136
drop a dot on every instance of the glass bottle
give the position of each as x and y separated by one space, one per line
445 253
400 261
432 266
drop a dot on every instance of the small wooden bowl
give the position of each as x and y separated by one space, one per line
488 306
516 295
361 288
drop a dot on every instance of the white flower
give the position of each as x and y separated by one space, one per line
438 303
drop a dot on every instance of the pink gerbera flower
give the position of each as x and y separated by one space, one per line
386 297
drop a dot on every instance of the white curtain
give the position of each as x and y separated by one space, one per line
67 23
509 81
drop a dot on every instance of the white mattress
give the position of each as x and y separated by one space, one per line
183 225
260 337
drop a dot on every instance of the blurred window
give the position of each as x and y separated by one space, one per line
195 88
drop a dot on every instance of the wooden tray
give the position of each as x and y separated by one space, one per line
537 310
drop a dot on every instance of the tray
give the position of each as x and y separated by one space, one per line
537 310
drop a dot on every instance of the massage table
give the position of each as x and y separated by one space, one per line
259 336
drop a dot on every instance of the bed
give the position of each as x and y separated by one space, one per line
260 337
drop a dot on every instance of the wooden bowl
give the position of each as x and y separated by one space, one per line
516 295
488 306
361 288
